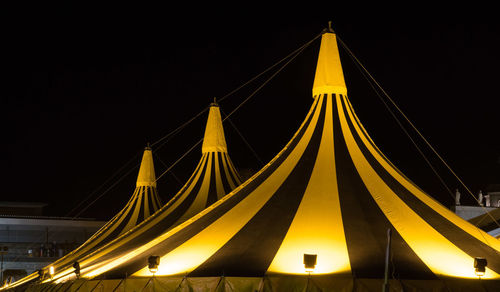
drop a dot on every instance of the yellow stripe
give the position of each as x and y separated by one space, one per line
195 261
97 238
199 248
151 221
218 179
200 201
437 252
135 215
426 199
317 227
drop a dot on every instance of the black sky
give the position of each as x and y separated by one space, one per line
86 91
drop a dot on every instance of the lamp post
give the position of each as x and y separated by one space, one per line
76 266
153 263
310 261
385 287
3 250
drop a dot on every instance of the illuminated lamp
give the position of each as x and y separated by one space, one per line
153 263
51 271
310 262
480 266
76 266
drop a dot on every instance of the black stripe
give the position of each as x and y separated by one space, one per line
365 225
157 200
355 120
232 171
151 203
212 188
114 226
118 229
252 249
177 196
223 175
132 201
463 240
167 222
144 201
188 232
78 252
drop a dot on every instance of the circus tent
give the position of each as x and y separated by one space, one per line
144 202
329 195
214 177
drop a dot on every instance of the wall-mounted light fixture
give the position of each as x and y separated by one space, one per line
480 266
310 262
153 263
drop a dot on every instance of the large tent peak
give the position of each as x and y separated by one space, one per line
329 76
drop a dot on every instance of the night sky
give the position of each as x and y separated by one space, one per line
85 93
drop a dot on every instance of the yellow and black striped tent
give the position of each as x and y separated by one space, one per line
329 194
214 177
144 202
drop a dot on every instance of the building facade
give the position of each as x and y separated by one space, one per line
31 242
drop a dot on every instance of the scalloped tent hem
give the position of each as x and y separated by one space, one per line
266 284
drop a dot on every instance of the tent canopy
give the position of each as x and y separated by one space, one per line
330 192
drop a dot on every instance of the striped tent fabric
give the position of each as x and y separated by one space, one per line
213 178
331 193
143 203
487 221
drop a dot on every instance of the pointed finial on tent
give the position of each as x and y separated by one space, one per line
329 29
148 146
214 103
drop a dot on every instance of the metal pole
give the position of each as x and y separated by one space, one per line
1 270
385 288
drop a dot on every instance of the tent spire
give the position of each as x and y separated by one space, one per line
329 76
214 140
147 175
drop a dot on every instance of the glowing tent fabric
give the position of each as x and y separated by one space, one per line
213 178
144 202
329 192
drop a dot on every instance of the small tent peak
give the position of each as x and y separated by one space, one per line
214 140
148 147
146 176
